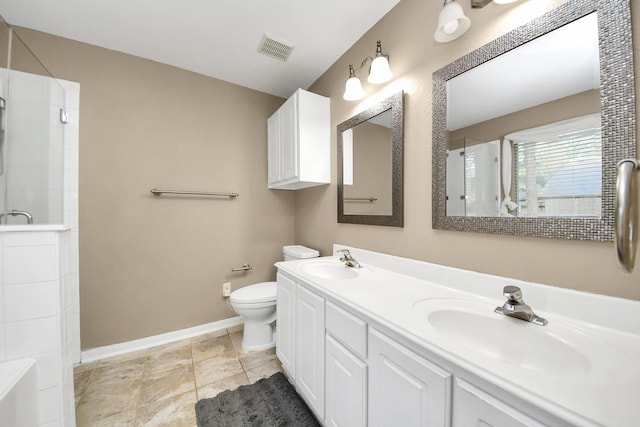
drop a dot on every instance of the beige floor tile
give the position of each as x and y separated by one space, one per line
236 339
238 328
80 382
121 419
113 388
252 359
172 383
127 370
126 357
99 402
175 412
264 371
212 346
214 369
215 388
167 359
88 366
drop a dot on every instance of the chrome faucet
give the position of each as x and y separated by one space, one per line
16 213
348 259
515 307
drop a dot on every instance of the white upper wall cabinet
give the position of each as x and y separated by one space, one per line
299 142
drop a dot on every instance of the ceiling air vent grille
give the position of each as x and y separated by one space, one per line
274 48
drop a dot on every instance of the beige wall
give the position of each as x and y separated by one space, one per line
407 36
490 130
148 264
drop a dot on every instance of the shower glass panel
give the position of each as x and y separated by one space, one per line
31 136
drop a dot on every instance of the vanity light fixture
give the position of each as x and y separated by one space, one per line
452 22
478 4
379 72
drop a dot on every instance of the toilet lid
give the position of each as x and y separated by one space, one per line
259 292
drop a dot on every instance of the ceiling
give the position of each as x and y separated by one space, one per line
217 38
561 63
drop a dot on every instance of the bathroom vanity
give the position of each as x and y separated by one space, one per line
404 342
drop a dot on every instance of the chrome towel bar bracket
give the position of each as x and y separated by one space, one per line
157 192
626 213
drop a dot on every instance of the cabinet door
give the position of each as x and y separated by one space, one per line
273 147
310 348
474 407
404 388
346 388
288 140
285 321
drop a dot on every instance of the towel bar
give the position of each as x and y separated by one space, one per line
158 192
360 199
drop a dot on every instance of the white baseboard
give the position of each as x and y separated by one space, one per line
148 342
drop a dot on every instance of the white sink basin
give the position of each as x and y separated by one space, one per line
555 349
329 269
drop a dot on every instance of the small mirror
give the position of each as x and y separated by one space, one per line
370 156
527 130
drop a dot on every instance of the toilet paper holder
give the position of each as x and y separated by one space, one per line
245 267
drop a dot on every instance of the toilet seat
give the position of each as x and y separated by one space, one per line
258 293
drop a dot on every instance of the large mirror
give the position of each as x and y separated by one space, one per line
370 156
528 129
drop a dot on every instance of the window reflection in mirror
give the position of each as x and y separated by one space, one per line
524 130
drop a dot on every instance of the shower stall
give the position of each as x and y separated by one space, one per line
32 120
39 279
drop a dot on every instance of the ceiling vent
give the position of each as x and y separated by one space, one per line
274 48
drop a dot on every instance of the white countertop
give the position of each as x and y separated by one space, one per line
601 388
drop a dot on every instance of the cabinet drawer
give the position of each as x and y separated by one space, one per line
348 329
474 407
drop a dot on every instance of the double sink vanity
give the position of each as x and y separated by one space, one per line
404 342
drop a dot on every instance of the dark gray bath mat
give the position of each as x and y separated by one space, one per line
269 402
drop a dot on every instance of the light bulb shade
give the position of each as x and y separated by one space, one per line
353 89
504 1
379 71
452 22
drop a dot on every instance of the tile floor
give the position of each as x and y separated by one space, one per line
160 386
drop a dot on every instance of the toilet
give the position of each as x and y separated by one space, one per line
256 304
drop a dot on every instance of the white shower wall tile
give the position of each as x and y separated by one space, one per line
28 111
29 238
31 337
28 86
2 345
28 264
49 369
46 339
30 301
56 92
70 180
50 401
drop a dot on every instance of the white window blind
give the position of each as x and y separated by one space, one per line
560 174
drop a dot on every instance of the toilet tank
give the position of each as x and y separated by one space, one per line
298 252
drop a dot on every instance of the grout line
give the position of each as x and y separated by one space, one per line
135 412
193 367
92 370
